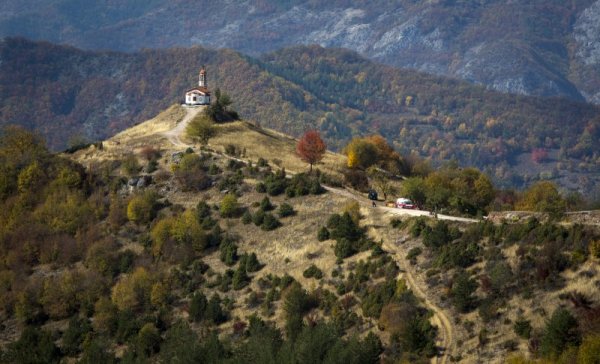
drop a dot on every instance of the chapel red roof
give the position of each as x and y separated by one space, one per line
204 90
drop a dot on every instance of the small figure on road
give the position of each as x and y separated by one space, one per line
373 204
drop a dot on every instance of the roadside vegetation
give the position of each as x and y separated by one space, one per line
91 262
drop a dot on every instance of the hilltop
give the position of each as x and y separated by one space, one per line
516 139
152 247
536 47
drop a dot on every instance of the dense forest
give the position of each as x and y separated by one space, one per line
516 139
534 47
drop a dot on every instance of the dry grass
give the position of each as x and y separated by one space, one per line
294 247
148 133
270 145
279 149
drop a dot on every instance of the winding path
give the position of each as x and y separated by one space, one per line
445 336
174 135
445 339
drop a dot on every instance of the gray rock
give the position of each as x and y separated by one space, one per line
144 181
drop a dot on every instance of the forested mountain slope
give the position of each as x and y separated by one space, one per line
537 47
64 92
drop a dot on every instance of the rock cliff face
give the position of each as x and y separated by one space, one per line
587 55
534 47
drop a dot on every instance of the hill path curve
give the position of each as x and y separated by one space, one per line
445 339
174 135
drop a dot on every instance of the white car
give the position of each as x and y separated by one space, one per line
405 203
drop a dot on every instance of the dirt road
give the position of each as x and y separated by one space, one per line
174 135
445 338
396 211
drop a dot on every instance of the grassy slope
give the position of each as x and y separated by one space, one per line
292 247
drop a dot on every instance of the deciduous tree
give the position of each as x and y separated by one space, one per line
544 197
311 148
202 128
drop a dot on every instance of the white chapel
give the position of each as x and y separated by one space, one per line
198 95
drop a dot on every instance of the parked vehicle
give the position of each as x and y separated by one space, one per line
405 203
372 195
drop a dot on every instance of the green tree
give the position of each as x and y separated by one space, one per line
228 251
562 330
252 263
35 346
190 173
270 222
186 230
286 210
219 110
148 340
181 345
240 278
198 307
214 312
74 335
95 352
323 234
201 128
361 153
522 328
20 147
294 305
266 204
159 295
462 291
414 188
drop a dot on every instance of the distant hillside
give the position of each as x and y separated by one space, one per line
537 47
64 92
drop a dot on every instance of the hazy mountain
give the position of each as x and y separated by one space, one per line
537 47
64 93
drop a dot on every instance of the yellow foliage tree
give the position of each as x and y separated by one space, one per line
30 178
132 290
187 230
361 153
159 294
160 234
352 159
141 208
544 197
64 211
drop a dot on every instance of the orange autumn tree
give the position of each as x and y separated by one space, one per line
311 148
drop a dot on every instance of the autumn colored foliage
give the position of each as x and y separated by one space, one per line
539 155
374 150
311 148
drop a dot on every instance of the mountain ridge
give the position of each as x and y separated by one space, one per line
96 94
545 48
